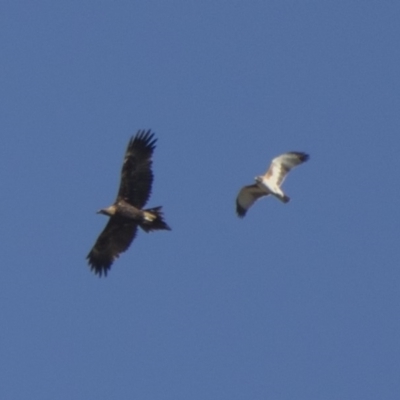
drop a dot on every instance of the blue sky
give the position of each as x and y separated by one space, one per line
296 301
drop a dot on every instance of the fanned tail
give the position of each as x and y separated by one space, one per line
153 220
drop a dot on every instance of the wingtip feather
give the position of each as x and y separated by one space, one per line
302 156
144 139
240 211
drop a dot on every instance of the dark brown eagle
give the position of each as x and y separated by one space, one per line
127 213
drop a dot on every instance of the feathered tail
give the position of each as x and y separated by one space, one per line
153 220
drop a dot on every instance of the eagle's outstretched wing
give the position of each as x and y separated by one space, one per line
246 198
136 174
114 240
281 165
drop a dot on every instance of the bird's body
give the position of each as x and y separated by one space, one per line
272 188
270 182
122 209
126 214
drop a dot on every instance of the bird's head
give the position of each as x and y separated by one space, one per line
109 211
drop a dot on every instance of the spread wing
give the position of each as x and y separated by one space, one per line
281 166
136 174
246 198
115 239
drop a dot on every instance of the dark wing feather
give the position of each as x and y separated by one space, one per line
114 240
136 174
247 196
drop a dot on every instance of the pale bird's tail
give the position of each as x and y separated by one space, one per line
153 220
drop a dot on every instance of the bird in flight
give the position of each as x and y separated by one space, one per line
127 212
270 182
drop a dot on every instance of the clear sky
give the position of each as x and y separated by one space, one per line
296 301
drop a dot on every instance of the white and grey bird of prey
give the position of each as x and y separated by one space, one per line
270 182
